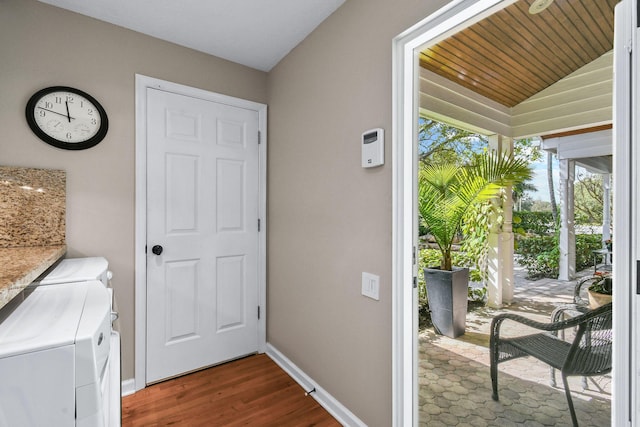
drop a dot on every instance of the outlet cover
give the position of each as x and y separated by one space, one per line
371 286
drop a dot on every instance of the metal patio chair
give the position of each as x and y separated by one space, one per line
588 354
580 305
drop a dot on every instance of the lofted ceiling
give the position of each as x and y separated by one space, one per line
255 33
512 54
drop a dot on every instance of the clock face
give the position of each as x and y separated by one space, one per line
67 118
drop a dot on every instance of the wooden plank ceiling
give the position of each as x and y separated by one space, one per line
512 55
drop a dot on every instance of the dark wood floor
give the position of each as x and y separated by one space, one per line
253 391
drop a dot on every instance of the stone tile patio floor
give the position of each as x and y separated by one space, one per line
455 384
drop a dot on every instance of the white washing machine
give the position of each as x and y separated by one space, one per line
55 357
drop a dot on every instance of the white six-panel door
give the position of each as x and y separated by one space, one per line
202 210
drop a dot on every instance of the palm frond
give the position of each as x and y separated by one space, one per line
447 191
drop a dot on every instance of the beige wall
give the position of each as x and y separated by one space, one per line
43 46
330 219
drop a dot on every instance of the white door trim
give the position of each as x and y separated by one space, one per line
405 118
626 220
142 83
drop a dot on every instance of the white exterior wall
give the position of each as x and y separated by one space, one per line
582 99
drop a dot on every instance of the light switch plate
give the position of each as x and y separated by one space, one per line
371 286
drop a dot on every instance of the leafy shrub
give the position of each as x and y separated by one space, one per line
585 245
474 245
539 223
540 255
430 258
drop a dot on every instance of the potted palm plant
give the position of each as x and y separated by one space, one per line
446 193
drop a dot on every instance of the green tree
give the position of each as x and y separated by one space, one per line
527 148
439 142
589 198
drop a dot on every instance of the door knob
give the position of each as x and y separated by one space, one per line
157 249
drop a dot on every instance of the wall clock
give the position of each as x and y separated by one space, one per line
67 118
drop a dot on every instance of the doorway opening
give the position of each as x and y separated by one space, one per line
437 28
454 355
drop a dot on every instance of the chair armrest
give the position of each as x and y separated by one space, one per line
573 309
553 326
577 299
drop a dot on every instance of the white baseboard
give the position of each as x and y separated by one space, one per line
128 387
328 402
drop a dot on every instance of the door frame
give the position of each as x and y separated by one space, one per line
405 99
140 277
405 178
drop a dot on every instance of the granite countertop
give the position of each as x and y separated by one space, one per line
22 265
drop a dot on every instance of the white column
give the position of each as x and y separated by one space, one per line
494 266
500 241
506 247
606 208
567 270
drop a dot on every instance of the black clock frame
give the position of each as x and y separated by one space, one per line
82 145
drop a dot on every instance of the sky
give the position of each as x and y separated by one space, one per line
540 179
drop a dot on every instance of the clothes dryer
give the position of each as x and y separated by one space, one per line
79 270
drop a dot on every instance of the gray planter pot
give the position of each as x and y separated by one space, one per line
447 293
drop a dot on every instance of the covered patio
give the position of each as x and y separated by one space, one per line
518 74
454 380
505 78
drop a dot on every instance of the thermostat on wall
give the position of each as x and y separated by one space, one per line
373 148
